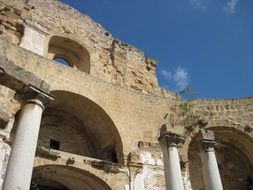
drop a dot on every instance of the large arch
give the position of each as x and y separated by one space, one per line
234 156
80 126
54 177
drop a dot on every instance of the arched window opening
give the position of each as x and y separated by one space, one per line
69 52
62 60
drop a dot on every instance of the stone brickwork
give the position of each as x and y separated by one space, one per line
234 112
11 24
111 59
107 118
8 104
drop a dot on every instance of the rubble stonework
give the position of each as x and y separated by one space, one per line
102 129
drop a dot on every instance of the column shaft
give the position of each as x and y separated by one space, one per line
173 177
20 166
210 170
172 169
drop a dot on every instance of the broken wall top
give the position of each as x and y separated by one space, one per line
110 59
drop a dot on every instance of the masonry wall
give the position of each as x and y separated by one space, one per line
231 121
130 110
123 84
33 24
134 114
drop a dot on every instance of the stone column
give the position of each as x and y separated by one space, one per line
20 165
5 150
169 143
209 163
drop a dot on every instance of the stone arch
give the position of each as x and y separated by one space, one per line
81 127
67 178
234 153
69 52
235 137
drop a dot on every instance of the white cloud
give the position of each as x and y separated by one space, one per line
166 74
230 6
177 80
198 4
181 78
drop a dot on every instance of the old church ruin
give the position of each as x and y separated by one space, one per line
81 110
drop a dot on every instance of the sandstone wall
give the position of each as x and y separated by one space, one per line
232 123
121 83
128 109
112 60
138 117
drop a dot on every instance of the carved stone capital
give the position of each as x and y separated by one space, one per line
207 145
34 95
206 140
170 139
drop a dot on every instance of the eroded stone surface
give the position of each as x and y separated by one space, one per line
107 118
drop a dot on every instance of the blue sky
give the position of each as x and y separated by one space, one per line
204 44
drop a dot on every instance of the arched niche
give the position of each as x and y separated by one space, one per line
234 157
69 52
75 124
53 177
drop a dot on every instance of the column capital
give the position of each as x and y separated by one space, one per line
32 94
207 140
170 139
208 145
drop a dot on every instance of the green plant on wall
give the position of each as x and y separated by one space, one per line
13 130
185 109
187 93
43 144
187 117
34 185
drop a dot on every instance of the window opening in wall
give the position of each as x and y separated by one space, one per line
69 52
54 144
61 60
114 157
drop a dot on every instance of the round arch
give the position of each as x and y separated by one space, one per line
67 51
234 156
80 126
235 137
53 177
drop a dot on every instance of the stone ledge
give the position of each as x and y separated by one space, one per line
107 166
16 78
48 153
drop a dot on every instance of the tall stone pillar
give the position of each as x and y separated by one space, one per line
5 150
209 163
169 143
20 165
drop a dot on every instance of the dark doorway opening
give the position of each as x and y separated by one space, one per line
54 144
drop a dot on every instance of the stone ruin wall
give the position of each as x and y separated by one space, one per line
122 81
128 109
32 25
232 121
11 24
136 111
